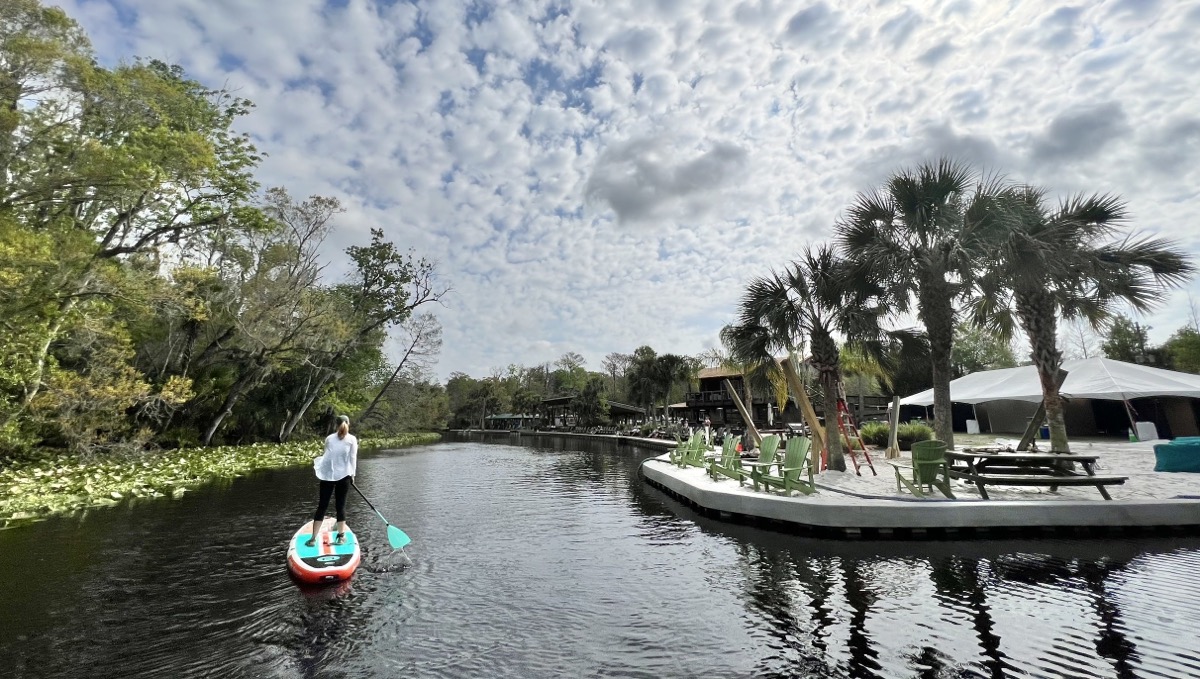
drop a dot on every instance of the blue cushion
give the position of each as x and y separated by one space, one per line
1177 457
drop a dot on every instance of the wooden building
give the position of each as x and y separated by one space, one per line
557 412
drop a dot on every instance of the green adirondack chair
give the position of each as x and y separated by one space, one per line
766 457
690 453
676 453
729 464
929 469
794 464
699 454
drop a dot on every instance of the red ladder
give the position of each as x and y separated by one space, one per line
849 431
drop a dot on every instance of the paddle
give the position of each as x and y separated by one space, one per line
397 537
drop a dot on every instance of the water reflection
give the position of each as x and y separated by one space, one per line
832 610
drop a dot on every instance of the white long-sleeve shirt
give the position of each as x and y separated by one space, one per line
339 459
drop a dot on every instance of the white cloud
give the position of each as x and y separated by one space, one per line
595 175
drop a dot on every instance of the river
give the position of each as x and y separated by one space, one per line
556 560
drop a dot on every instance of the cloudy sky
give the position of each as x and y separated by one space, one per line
592 176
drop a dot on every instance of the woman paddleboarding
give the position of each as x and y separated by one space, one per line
335 469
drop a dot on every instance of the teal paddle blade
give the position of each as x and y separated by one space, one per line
397 537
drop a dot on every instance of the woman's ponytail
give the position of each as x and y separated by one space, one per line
343 426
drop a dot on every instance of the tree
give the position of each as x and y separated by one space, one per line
1046 261
976 349
460 388
1184 350
96 166
569 374
918 237
1126 340
1078 339
387 286
669 371
865 374
421 341
616 365
806 305
279 311
906 359
643 382
591 404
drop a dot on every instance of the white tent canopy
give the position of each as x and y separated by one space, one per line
1101 378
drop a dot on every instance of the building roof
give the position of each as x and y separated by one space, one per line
613 406
709 373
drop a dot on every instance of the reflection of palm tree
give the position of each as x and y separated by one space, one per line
954 578
1112 642
864 659
771 573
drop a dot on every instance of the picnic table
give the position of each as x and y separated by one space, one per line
985 468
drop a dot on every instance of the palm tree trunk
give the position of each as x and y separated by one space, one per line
1036 310
833 438
937 313
826 360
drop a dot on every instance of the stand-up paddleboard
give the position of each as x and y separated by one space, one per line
324 562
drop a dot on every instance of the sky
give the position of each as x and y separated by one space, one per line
593 176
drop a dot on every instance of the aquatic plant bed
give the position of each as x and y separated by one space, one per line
57 483
869 506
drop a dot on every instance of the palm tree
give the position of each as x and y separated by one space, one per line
670 370
642 381
919 239
1065 259
806 304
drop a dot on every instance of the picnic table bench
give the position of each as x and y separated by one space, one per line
1026 469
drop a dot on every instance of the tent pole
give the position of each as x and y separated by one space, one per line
1129 411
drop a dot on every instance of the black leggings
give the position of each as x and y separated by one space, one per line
338 489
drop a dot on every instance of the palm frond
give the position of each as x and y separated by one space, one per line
1137 268
1095 215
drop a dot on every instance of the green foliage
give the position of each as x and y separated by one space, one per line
1183 350
51 483
591 404
911 432
976 349
875 433
147 296
1126 340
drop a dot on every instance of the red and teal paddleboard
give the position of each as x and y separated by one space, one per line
325 561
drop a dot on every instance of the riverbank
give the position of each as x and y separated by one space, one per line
60 483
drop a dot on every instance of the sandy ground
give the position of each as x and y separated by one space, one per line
1134 460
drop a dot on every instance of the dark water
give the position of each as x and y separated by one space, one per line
558 561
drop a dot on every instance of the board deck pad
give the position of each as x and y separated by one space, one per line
325 555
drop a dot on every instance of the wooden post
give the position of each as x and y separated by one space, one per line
893 450
806 408
817 433
750 428
1038 416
